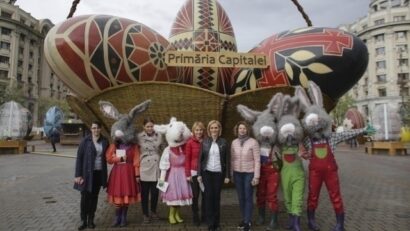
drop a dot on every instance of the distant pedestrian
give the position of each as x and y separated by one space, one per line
54 138
91 173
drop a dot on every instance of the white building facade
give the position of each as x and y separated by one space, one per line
386 32
22 60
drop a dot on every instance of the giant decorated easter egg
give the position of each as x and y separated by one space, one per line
203 26
334 59
15 121
355 117
94 52
53 119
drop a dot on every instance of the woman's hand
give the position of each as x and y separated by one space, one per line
79 180
199 179
226 180
137 179
255 182
189 179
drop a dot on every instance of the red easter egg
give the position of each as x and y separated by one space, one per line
355 117
94 52
334 59
203 26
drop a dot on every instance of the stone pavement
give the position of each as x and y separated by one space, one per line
36 194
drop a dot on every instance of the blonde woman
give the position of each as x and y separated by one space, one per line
213 171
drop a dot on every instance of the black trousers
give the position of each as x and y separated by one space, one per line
213 186
147 188
196 191
89 200
53 144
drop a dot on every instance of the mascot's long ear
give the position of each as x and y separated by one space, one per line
109 110
275 105
247 113
140 108
161 129
303 98
315 94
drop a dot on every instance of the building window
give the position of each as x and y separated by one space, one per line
366 110
402 77
5 31
400 35
379 22
366 81
5 45
401 49
399 18
22 37
5 14
4 59
403 62
383 5
382 92
380 51
395 3
3 74
380 65
366 93
381 78
364 26
379 38
404 91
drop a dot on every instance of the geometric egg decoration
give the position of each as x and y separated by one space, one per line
332 58
355 118
203 26
91 53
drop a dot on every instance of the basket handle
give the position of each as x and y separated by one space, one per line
300 9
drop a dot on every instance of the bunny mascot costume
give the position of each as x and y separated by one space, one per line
172 166
320 145
265 131
290 136
123 183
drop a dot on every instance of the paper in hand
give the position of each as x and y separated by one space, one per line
163 187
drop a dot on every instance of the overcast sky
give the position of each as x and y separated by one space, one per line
252 20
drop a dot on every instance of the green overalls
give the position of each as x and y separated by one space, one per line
293 179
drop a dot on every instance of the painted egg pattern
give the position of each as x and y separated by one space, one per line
332 58
94 52
203 26
355 117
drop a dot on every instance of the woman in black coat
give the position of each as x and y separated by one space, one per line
213 171
91 173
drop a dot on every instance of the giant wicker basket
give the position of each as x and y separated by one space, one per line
185 102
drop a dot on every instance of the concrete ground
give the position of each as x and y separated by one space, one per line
36 194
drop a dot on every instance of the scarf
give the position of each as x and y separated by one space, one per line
243 138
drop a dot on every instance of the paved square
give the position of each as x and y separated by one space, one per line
36 194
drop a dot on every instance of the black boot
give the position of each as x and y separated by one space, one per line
296 223
261 216
340 220
195 219
83 225
273 224
124 217
91 224
311 220
289 224
117 219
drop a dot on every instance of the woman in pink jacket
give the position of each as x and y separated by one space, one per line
245 163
